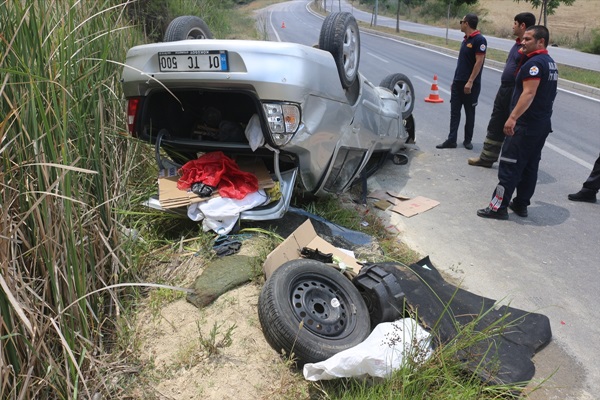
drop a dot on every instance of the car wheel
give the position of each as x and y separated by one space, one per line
400 85
340 36
187 27
311 310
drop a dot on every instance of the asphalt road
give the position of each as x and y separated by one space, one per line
545 263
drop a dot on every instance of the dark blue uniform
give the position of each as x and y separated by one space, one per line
471 46
521 153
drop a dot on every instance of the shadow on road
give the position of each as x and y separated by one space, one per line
551 215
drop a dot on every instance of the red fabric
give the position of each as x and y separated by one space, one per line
216 169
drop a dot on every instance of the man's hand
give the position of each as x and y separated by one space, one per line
509 126
468 87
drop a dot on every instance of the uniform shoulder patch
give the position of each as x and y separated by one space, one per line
482 47
533 71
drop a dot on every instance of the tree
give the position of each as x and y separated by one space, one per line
547 7
456 3
408 4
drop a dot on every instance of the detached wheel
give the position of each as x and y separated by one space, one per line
187 27
312 310
402 87
340 36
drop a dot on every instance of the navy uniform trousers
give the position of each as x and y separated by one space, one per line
458 100
518 168
495 129
593 181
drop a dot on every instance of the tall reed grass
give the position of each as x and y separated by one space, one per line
63 173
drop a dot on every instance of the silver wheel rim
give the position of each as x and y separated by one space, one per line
196 34
402 89
350 52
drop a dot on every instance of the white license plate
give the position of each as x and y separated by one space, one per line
193 61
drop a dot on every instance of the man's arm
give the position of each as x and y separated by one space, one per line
479 59
530 87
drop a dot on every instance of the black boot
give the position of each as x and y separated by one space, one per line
587 195
489 213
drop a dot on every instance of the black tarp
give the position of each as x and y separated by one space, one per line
502 354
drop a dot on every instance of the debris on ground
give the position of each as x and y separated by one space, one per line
219 277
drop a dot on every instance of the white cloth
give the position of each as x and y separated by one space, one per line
254 133
221 213
378 355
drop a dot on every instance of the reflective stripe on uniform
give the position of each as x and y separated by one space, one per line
509 160
496 201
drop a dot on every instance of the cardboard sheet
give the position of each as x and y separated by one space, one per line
304 236
171 197
390 197
414 206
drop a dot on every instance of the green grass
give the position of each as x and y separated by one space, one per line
64 172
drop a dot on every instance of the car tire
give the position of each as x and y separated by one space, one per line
311 311
399 84
187 27
340 36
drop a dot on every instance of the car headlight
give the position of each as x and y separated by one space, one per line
283 120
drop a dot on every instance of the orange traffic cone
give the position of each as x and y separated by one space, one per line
434 97
283 25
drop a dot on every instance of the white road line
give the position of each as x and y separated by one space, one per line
557 149
484 66
569 156
379 58
273 27
430 81
579 94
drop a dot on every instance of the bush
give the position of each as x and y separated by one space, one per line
434 10
153 16
594 46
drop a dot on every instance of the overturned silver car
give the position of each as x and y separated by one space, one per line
307 112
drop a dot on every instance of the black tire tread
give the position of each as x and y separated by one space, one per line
331 39
180 26
278 327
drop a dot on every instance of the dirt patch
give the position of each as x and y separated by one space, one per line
213 352
568 23
183 369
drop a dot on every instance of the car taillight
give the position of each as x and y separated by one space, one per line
132 109
283 120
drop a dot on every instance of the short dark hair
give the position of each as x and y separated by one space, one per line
526 18
472 20
540 32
